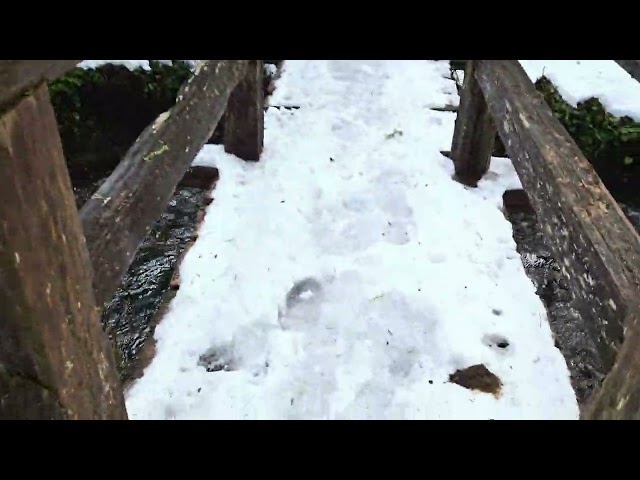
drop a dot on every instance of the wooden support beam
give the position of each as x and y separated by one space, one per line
55 360
120 214
474 132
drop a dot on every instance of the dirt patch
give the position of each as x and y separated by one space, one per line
477 377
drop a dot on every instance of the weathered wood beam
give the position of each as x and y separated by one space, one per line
594 243
619 395
120 214
244 117
19 76
474 132
55 360
631 66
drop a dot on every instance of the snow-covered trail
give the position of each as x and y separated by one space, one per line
414 275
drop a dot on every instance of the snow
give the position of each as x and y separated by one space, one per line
270 68
346 275
579 80
130 64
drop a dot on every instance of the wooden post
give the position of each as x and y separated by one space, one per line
244 117
55 360
474 132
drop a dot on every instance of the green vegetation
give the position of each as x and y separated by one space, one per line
612 144
609 142
102 111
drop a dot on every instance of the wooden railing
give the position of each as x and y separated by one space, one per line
57 265
595 245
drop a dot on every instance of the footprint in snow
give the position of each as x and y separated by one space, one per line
302 303
497 342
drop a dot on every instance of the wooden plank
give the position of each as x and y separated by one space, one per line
446 108
120 214
474 132
200 177
18 76
516 201
631 66
594 243
55 360
244 118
